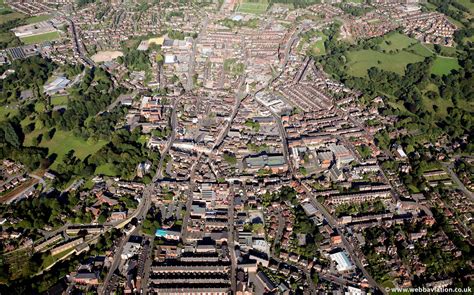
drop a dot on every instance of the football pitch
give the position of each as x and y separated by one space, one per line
255 7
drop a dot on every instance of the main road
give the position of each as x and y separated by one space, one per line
348 246
332 222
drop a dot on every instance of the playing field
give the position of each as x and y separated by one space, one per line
362 60
444 65
41 38
255 7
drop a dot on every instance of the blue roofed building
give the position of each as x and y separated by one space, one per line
168 234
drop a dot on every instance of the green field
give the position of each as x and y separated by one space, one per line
3 7
444 65
106 169
420 50
318 47
52 259
59 100
255 7
404 50
468 4
38 18
445 51
396 41
64 141
41 38
7 111
10 16
362 60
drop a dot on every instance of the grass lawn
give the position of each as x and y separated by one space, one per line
318 47
408 50
38 18
51 259
5 37
4 18
396 41
64 141
441 104
362 60
253 7
106 169
468 4
420 50
3 6
445 51
6 111
58 100
453 21
444 65
388 284
39 107
41 38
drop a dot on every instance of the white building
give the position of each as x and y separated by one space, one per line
342 261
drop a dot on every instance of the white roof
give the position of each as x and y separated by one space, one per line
342 261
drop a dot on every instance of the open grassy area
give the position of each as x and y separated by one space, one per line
106 169
444 65
445 51
468 4
7 111
362 60
41 38
318 47
396 41
3 7
10 16
441 105
420 49
40 107
38 18
64 141
7 37
400 50
255 7
52 259
58 100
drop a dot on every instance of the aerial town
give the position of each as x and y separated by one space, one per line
236 147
